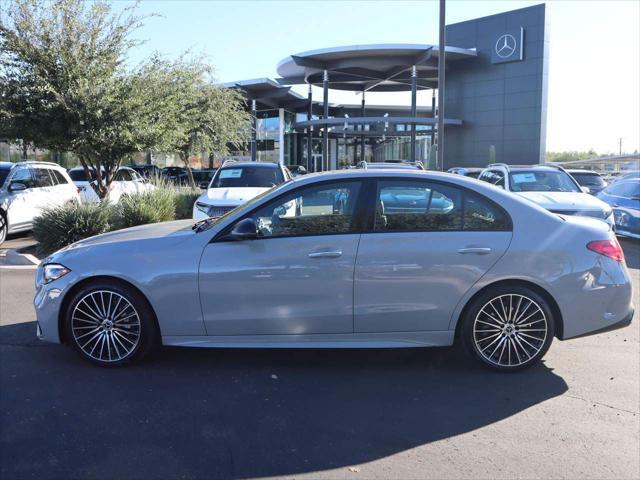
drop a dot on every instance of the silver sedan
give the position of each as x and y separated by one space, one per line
355 259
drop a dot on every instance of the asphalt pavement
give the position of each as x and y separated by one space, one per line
422 413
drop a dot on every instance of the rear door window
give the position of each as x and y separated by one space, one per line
41 178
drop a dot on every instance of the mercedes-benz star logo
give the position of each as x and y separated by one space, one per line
506 45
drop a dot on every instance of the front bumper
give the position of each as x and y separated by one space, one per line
47 303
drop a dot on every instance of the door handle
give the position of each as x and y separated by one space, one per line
478 250
330 254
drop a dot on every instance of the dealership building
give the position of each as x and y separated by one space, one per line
495 106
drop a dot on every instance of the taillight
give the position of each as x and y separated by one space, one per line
608 248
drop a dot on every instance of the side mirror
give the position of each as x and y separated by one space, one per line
245 229
585 189
302 170
17 187
204 185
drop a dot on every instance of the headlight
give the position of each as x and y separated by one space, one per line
203 207
52 271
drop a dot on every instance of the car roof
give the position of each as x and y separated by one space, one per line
250 164
6 165
391 166
578 170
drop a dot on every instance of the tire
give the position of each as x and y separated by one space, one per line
508 328
4 228
127 330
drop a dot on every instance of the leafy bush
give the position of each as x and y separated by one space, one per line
149 207
58 227
184 200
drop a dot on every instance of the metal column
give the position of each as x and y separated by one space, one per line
325 136
414 110
441 64
310 165
254 133
363 138
281 136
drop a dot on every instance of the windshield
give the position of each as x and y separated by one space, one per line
4 173
210 222
248 176
589 179
541 181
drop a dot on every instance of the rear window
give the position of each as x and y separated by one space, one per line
589 179
80 176
248 176
60 179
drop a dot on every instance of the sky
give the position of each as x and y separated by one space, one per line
594 71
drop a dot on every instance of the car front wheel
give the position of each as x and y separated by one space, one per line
4 227
508 328
110 324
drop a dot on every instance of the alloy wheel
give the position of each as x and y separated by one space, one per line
510 330
105 326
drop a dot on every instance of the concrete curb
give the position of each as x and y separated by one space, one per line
15 258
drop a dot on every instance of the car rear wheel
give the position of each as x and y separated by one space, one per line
110 324
508 328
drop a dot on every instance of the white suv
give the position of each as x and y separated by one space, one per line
27 188
126 182
236 183
549 186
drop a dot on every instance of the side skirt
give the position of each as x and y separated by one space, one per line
344 340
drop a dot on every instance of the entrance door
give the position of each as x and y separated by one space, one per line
296 277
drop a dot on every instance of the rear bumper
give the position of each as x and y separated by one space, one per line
625 322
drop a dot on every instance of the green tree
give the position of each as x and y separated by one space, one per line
65 85
214 119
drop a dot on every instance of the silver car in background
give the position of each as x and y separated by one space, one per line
355 258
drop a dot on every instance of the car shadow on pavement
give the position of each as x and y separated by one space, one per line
240 413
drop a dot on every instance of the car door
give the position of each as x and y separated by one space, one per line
430 243
22 205
44 195
296 277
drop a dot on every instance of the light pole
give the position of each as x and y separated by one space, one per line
441 64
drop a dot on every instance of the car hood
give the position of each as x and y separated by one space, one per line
230 196
565 200
141 232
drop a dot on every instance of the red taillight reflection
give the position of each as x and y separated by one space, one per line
608 248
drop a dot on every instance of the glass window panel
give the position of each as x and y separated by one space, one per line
406 205
315 210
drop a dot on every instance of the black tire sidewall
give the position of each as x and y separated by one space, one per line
4 228
148 334
472 310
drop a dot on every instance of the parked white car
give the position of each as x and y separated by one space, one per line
126 182
236 183
549 186
26 188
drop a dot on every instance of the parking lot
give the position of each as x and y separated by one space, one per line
189 413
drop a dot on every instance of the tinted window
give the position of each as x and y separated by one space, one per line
412 205
494 177
261 177
624 189
316 210
482 214
123 175
4 173
80 176
541 181
23 175
42 178
58 177
589 179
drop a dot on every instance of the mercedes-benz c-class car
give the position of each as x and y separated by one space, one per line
406 258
